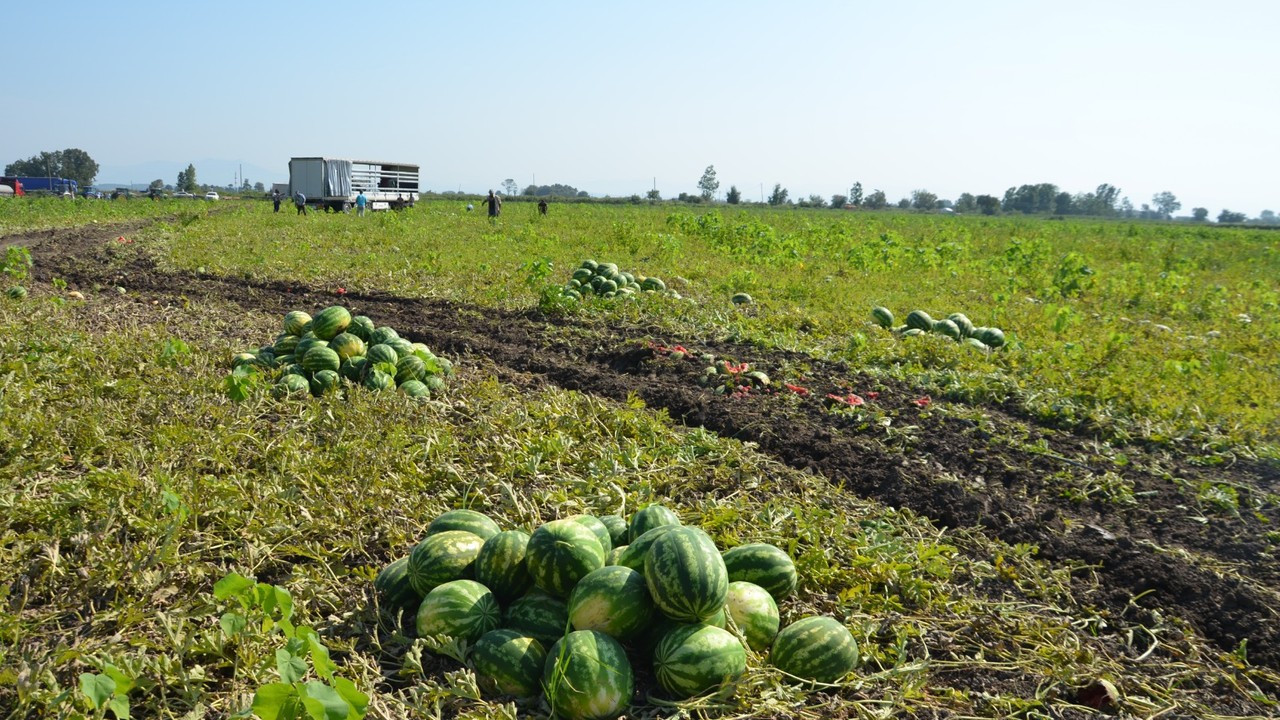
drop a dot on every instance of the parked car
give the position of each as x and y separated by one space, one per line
183 194
211 195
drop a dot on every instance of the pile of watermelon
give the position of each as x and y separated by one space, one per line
956 326
334 350
569 611
605 280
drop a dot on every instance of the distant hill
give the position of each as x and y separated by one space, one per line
208 172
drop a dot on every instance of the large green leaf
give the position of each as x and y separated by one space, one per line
291 667
98 688
359 701
323 702
276 701
233 584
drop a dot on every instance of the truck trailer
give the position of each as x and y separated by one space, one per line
333 183
51 185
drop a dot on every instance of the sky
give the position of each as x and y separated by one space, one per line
618 98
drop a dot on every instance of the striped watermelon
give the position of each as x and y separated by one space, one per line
508 663
993 337
353 369
443 557
319 358
882 316
754 612
347 345
305 343
462 609
635 553
500 565
588 677
616 553
686 575
382 335
649 518
947 327
324 381
330 322
613 600
963 322
691 659
403 347
597 528
560 553
976 344
617 529
378 380
919 320
468 520
381 354
765 565
415 389
362 327
294 321
815 648
538 615
661 625
410 367
291 385
286 344
394 589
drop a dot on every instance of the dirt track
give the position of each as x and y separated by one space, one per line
955 471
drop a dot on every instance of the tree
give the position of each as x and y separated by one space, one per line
1166 204
855 194
778 196
817 201
923 199
1063 204
187 179
653 194
966 203
838 201
1126 207
987 204
1199 214
876 200
72 164
1226 216
156 184
509 187
1268 217
259 187
708 185
734 196
904 204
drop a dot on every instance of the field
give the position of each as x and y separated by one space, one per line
1005 533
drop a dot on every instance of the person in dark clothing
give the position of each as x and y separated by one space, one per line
542 206
275 199
495 207
300 202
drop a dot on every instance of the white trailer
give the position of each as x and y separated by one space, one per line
333 183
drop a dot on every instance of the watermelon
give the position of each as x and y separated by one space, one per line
538 615
692 659
919 320
462 609
653 284
403 347
294 321
291 385
741 299
434 384
947 327
993 337
613 600
962 322
244 358
362 327
976 344
754 612
286 344
764 565
661 625
686 575
319 358
410 367
508 663
587 677
617 529
468 520
582 274
648 518
353 369
381 354
616 553
912 332
379 380
394 588
882 316
330 322
382 335
324 381
815 648
500 565
590 264
305 343
634 555
597 528
415 389
560 553
442 557
347 345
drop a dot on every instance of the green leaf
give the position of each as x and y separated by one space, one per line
120 706
323 702
233 584
284 602
98 688
291 667
359 701
276 701
124 683
232 623
320 658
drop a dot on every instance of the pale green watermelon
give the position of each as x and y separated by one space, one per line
588 677
462 609
613 600
754 612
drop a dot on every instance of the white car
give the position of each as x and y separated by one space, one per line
211 195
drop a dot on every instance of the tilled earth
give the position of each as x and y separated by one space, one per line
980 466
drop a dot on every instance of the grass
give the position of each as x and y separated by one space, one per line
45 213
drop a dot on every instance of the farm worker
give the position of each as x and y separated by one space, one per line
275 199
300 202
495 207
361 201
542 206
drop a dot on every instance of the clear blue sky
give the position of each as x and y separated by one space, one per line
607 96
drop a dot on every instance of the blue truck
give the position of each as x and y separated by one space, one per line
52 185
